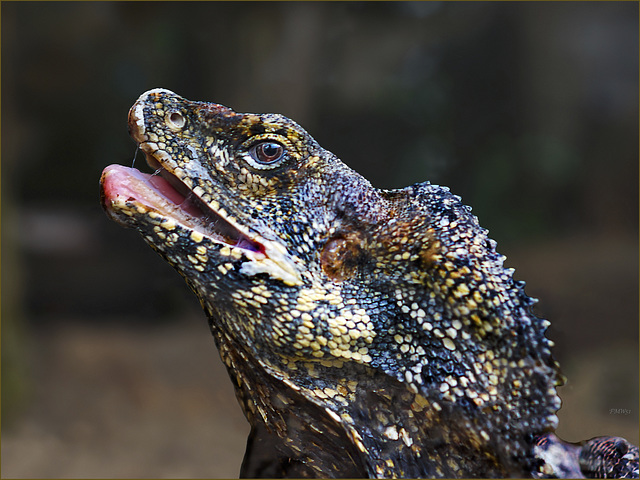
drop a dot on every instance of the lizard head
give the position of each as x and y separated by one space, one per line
248 208
326 282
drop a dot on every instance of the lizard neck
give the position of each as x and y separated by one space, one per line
377 427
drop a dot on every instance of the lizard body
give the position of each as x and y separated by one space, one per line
368 333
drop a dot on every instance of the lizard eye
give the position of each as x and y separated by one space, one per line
267 153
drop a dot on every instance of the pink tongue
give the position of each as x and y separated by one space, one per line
165 188
120 181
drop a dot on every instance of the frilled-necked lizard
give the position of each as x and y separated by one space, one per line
367 332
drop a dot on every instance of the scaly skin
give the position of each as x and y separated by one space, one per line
367 332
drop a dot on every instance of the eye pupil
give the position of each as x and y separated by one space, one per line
269 152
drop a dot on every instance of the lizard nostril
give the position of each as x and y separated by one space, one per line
176 120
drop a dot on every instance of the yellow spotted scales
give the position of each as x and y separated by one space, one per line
368 333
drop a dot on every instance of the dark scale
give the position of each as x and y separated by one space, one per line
368 333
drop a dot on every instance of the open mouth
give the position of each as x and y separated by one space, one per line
175 190
164 193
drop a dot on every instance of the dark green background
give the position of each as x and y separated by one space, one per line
529 111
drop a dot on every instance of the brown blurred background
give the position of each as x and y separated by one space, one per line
527 110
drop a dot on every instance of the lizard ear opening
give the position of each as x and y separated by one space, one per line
341 256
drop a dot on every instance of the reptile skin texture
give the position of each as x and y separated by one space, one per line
367 332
